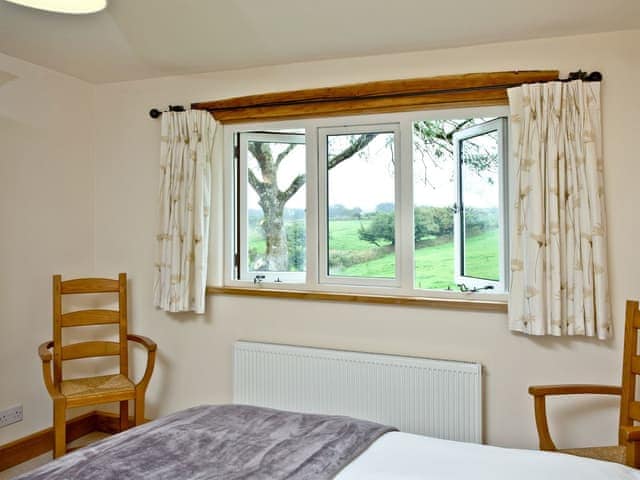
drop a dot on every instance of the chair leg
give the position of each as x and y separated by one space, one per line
59 428
139 407
124 415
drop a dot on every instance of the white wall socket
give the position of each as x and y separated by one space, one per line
11 415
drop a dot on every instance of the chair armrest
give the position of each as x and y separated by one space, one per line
151 347
45 355
576 389
146 342
43 351
630 438
540 393
630 434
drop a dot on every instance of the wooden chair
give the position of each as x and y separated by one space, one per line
628 449
92 390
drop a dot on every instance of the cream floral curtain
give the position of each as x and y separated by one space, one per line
184 210
558 248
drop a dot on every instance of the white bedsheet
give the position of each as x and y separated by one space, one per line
403 456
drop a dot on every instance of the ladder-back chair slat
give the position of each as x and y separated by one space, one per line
90 285
83 318
635 364
90 349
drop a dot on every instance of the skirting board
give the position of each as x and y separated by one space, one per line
31 446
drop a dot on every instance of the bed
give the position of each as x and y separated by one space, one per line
243 442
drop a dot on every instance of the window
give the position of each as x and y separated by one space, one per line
358 186
479 213
271 221
398 204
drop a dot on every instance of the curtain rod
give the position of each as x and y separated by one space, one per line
155 113
579 75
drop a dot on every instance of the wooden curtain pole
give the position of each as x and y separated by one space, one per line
376 97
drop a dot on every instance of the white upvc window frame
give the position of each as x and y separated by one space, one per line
245 274
498 125
323 204
405 263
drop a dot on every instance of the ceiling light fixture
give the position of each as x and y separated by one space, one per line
74 7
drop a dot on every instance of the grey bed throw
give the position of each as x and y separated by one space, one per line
227 442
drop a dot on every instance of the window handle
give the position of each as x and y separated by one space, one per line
486 287
454 208
259 278
464 288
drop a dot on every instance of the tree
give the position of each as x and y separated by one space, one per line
381 228
434 139
429 222
434 143
272 200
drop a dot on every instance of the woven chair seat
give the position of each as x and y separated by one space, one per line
614 453
80 387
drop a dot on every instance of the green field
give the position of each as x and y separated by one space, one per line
343 236
434 264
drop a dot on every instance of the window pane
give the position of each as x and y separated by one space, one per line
361 205
276 202
480 197
434 192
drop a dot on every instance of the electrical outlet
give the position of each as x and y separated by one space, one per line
11 415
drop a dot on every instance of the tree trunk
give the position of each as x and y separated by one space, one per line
273 201
275 233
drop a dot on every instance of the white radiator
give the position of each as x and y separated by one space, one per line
431 397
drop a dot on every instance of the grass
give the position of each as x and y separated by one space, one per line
434 264
343 236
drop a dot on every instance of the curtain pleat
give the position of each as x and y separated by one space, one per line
184 206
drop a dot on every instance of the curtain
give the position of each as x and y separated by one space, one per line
184 206
559 281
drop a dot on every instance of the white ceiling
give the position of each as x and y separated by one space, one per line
135 39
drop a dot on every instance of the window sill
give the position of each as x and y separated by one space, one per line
445 303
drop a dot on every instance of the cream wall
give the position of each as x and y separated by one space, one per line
46 212
195 352
194 363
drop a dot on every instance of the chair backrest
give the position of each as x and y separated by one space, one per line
81 318
629 406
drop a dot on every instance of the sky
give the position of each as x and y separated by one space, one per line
366 179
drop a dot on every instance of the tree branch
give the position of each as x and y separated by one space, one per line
361 142
285 152
257 185
296 184
262 153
